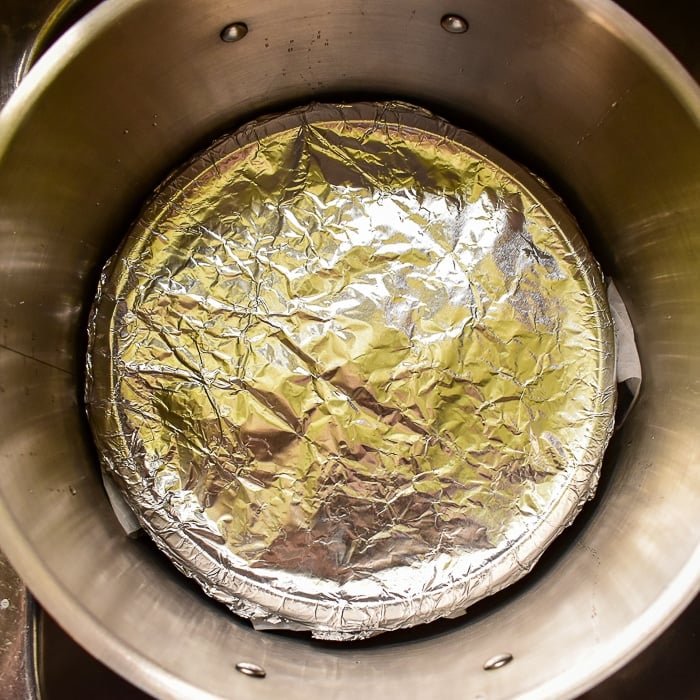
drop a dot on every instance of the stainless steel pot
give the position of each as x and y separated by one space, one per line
576 90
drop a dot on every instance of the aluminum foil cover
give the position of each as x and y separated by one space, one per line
353 369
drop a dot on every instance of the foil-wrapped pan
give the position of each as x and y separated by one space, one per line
353 369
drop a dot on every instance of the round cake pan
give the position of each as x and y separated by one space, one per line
353 369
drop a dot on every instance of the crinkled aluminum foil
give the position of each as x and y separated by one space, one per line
353 369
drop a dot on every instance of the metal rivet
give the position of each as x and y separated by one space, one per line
249 669
498 661
234 32
454 24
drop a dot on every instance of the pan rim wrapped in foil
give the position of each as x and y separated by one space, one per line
342 611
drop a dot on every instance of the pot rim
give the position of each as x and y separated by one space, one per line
125 659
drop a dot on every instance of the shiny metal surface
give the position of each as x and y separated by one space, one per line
27 29
570 88
326 368
248 669
454 24
498 661
234 32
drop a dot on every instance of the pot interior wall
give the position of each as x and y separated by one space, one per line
574 90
